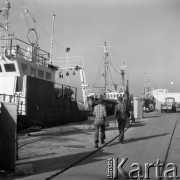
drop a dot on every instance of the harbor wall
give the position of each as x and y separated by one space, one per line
8 136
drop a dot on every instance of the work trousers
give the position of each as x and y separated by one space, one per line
102 133
121 127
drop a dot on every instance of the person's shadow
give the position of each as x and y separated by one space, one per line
126 141
144 138
138 124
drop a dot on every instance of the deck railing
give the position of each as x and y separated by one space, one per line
21 49
64 91
17 99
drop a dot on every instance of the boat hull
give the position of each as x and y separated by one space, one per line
44 108
109 104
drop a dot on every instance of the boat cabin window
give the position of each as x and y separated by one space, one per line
0 69
48 75
40 73
19 84
33 72
9 67
24 68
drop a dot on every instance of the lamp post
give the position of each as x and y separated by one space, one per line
67 50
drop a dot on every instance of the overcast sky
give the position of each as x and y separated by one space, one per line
145 34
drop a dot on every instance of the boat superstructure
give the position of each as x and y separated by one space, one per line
18 62
27 78
75 63
110 91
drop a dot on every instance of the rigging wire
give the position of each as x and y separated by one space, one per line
127 75
23 7
113 67
108 68
35 22
115 57
45 30
118 72
117 68
111 75
98 73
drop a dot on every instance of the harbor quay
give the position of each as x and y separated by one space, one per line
67 152
61 78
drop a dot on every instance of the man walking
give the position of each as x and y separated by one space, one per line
121 116
99 123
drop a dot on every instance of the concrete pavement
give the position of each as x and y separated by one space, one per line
56 149
145 143
174 149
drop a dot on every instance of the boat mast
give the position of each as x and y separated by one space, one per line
106 64
52 39
5 13
146 86
123 68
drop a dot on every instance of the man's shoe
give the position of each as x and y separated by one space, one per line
121 141
102 142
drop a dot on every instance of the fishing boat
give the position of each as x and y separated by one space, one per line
28 79
109 92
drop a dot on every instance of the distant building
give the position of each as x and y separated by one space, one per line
161 94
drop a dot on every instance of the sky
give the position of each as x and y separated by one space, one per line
144 34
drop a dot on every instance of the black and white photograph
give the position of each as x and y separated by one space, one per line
89 89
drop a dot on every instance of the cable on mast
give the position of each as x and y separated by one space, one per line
5 27
123 68
52 35
106 64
